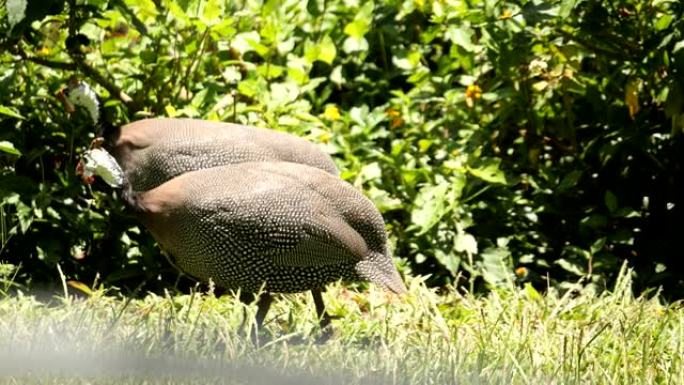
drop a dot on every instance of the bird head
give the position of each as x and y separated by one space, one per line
97 162
79 94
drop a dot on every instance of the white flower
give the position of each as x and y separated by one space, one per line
16 11
84 96
99 162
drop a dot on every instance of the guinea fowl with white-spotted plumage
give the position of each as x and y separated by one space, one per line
152 151
285 226
276 226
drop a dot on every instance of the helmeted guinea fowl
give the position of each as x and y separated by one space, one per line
152 151
280 226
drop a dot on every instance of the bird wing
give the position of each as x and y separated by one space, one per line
283 227
323 240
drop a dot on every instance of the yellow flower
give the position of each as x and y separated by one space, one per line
473 91
324 137
331 112
632 97
395 116
392 113
506 14
521 272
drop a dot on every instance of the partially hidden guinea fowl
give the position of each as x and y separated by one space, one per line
152 151
277 226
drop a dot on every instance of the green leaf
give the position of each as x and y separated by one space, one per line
177 12
269 31
270 71
594 221
298 75
532 293
242 41
224 28
146 9
284 47
336 75
497 267
324 51
370 171
8 147
357 28
663 22
566 7
171 111
462 37
10 112
148 56
611 201
283 93
327 50
353 44
383 200
465 242
598 245
430 206
678 46
313 8
361 24
251 87
25 216
211 14
570 267
488 170
449 260
409 62
259 48
570 180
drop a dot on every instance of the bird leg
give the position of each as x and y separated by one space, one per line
263 304
323 317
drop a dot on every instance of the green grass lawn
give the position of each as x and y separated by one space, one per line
514 336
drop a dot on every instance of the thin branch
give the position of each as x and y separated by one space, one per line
193 61
100 79
79 61
134 18
593 46
79 64
66 66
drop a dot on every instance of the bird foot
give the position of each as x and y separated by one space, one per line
259 337
325 335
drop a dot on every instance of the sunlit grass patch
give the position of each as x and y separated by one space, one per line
513 336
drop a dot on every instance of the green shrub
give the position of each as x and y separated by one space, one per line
520 141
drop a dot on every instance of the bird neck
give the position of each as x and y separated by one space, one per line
132 199
105 127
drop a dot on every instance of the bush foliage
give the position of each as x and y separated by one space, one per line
503 141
